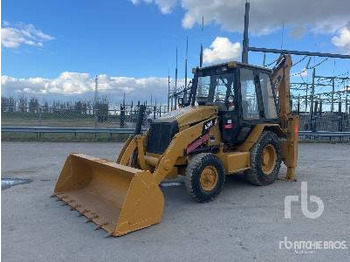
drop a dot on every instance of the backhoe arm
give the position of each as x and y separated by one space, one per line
289 123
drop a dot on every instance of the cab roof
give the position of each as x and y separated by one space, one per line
235 64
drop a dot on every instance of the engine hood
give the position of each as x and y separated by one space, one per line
188 115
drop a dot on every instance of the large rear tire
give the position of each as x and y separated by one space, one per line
205 177
265 160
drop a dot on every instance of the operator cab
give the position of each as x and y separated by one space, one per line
242 93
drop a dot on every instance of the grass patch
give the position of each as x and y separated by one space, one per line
63 119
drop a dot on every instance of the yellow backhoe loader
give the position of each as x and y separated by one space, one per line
234 118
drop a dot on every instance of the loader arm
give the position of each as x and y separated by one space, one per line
126 151
289 123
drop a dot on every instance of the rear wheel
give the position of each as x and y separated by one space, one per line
205 177
265 160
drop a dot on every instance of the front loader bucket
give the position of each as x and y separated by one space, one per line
119 199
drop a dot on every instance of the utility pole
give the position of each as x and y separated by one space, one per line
320 109
312 96
175 87
282 41
186 62
96 90
201 52
95 101
333 89
168 91
313 123
347 99
264 60
306 94
245 48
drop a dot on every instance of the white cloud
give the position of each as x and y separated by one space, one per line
82 85
321 16
221 50
165 6
342 38
14 35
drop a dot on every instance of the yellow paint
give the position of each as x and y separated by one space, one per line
118 198
235 161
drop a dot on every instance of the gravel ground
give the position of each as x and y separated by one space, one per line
245 223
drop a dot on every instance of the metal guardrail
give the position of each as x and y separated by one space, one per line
91 130
324 134
65 130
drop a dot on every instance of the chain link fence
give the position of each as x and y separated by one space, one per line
126 116
331 122
123 117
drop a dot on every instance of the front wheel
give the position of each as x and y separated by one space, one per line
265 160
205 177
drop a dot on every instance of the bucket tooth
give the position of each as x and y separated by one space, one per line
75 207
82 213
101 226
94 216
97 228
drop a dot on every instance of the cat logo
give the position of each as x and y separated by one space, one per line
208 125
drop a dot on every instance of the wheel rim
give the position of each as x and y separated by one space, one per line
269 158
209 178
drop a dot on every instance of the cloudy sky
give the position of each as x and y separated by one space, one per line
55 48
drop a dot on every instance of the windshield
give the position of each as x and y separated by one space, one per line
214 88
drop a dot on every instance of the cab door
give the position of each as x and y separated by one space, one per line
258 100
251 108
229 111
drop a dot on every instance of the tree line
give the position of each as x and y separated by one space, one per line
33 105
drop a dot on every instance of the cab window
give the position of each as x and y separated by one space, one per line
250 105
267 96
215 88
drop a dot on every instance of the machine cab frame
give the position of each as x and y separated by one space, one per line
243 94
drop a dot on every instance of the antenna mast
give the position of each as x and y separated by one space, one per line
186 62
96 90
175 87
168 90
176 64
201 52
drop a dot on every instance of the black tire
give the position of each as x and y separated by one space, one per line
256 174
194 171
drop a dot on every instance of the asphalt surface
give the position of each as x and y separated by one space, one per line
245 223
